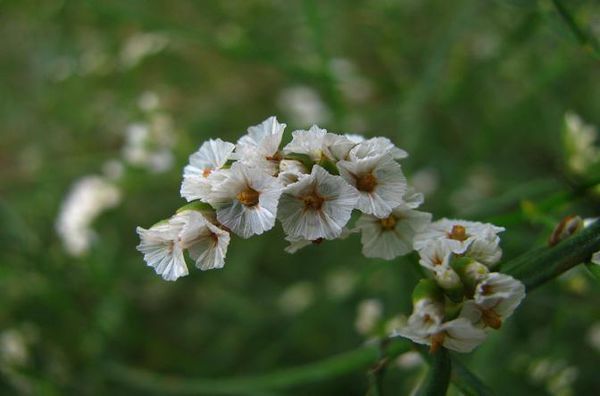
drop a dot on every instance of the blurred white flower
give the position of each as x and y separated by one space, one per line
317 206
379 181
409 360
297 298
141 45
340 283
303 105
86 200
113 169
260 147
579 139
369 313
426 180
555 374
392 236
247 200
204 169
596 258
478 187
149 145
352 85
13 348
593 336
148 101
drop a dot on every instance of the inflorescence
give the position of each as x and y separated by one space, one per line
312 186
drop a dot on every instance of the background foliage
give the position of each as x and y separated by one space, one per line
475 90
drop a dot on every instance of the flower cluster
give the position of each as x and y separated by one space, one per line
312 186
462 299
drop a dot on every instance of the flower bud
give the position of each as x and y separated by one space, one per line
450 282
470 272
567 227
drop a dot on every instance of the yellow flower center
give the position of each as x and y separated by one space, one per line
366 183
248 197
458 233
491 318
313 201
206 172
388 223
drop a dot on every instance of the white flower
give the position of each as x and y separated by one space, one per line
317 206
319 144
87 199
435 256
290 171
246 200
203 170
164 243
392 236
354 138
162 250
481 240
379 180
458 335
496 297
375 147
260 147
206 243
412 198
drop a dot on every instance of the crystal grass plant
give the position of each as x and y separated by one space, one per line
312 186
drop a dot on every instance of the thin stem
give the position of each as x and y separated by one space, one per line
585 39
438 377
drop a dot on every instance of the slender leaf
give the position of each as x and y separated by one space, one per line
467 382
326 369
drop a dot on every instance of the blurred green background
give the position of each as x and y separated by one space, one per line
475 90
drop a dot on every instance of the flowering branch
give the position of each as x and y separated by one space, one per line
541 265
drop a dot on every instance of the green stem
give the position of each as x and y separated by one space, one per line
438 377
585 39
329 368
541 265
467 382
